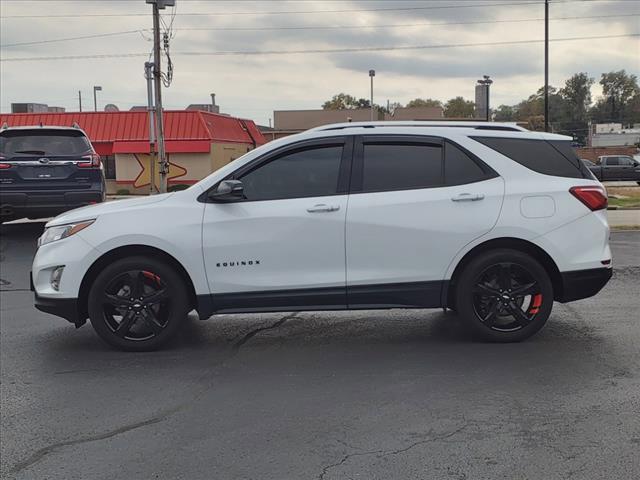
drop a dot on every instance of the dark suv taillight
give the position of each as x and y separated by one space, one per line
593 196
93 161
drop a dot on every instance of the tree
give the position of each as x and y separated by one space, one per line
505 113
619 89
458 107
577 96
341 101
424 102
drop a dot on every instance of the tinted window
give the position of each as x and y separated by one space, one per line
538 155
109 162
401 167
613 161
19 143
459 167
626 161
306 173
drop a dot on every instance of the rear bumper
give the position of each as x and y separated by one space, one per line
46 203
580 284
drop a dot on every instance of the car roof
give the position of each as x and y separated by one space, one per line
41 127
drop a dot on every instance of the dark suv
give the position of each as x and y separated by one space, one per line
46 170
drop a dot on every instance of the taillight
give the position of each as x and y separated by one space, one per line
4 166
93 161
594 197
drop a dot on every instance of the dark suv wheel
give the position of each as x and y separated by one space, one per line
504 295
138 303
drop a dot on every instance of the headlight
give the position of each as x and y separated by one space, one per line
52 234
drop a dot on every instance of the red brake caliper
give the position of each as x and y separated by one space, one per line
152 276
536 303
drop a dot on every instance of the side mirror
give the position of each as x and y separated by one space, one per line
228 191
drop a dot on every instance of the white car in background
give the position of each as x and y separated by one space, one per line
488 219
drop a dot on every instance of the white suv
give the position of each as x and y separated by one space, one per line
487 219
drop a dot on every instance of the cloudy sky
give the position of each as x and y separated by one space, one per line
208 38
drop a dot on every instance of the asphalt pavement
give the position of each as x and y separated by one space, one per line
362 395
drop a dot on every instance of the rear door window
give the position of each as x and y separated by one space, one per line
400 166
555 158
17 144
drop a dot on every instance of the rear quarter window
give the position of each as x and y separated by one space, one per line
555 158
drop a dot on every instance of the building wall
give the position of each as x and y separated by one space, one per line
615 139
133 170
592 154
304 119
416 113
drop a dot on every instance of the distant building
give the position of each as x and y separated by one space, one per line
613 135
416 113
197 143
289 122
34 108
206 107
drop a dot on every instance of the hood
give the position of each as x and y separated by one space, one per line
93 211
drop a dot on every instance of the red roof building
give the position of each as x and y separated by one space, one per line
196 142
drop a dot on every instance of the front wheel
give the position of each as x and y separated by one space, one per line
138 303
504 296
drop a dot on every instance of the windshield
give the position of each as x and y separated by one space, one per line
43 142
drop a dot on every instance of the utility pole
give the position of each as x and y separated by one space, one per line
546 65
157 83
80 99
95 98
148 74
372 73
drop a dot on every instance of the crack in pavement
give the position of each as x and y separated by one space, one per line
42 452
384 453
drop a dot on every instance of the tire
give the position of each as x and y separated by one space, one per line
138 303
519 311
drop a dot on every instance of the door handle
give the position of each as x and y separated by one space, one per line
321 207
467 197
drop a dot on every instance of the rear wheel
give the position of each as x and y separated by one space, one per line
504 296
138 303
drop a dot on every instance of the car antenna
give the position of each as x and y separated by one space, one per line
75 125
5 125
41 125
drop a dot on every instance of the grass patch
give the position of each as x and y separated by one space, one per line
626 202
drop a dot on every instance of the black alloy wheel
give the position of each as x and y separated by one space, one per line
504 295
138 303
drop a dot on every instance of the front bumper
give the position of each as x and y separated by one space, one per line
580 284
66 308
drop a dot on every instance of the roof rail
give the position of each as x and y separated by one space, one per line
504 126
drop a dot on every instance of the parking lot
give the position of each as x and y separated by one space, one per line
371 395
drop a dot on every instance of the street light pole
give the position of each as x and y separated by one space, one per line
148 74
372 73
95 98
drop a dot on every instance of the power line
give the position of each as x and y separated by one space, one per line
82 37
316 27
299 12
336 27
314 51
